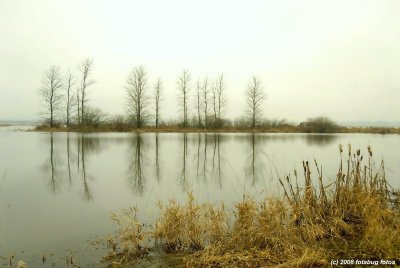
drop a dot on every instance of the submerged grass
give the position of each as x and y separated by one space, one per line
356 216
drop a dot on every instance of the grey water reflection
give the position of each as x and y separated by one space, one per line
198 159
321 139
51 166
207 157
87 146
62 180
75 159
157 157
136 177
183 175
255 168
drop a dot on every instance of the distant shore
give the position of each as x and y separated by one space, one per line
176 129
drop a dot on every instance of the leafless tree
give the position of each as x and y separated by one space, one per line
136 85
214 104
254 99
219 98
69 98
184 88
198 102
205 93
78 111
157 99
51 93
85 68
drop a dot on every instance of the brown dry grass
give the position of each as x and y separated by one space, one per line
356 216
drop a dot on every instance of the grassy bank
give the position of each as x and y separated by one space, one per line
354 216
177 129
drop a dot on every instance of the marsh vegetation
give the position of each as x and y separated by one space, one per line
356 215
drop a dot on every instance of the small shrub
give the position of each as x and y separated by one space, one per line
319 124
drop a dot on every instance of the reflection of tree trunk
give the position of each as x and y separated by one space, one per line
79 149
157 160
215 147
205 156
53 175
85 184
183 176
139 172
253 160
198 154
137 176
68 160
219 163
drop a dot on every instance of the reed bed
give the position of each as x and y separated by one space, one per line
355 215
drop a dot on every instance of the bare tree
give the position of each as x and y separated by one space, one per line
219 98
51 93
136 85
78 111
157 99
184 88
85 69
214 103
198 102
205 93
254 99
69 99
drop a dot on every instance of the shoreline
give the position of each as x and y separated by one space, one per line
365 130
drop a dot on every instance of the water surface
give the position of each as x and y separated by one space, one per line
57 190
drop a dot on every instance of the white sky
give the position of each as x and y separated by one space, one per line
335 58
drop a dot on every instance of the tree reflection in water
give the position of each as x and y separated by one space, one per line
157 160
320 140
204 165
255 168
53 163
85 143
135 173
183 176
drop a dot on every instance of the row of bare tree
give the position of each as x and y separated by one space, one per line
67 93
67 97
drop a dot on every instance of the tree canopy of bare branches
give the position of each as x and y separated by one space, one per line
86 69
219 97
157 99
184 88
136 86
254 100
69 98
51 93
205 94
198 103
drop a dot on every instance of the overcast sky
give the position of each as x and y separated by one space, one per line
335 58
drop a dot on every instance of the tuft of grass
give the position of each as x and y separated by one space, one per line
356 215
189 227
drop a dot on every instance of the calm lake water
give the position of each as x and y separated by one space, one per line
57 190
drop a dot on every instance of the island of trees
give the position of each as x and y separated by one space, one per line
66 107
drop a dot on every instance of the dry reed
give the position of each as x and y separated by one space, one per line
355 216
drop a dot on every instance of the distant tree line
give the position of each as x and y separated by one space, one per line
65 100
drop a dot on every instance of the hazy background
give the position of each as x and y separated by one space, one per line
334 58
